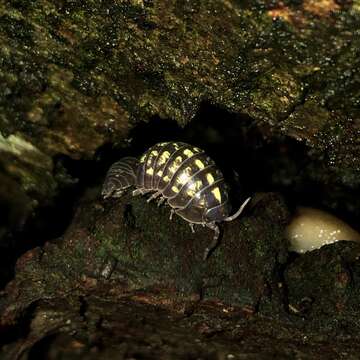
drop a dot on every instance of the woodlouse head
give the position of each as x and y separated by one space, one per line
120 177
112 188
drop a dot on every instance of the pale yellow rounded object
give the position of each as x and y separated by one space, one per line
311 228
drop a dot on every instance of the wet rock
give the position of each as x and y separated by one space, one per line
119 241
64 308
166 269
126 269
323 286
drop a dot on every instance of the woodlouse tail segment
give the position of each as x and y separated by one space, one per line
242 207
215 240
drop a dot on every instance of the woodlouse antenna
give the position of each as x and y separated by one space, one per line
233 217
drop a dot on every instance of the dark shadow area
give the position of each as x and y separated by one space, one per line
42 349
47 223
21 329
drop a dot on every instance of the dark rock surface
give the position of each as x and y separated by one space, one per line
109 286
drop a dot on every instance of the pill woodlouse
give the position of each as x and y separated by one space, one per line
189 181
120 177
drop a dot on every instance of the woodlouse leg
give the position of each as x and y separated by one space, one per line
137 192
140 192
214 242
192 227
154 196
161 201
172 212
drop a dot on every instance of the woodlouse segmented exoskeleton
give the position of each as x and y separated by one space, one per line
189 181
120 176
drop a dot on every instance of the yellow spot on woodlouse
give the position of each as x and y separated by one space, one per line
159 173
184 176
175 189
199 164
163 157
217 194
143 158
188 153
172 168
194 188
154 153
190 193
175 165
150 171
187 170
210 178
166 178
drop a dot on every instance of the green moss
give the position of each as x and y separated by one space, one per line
16 28
61 59
276 94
